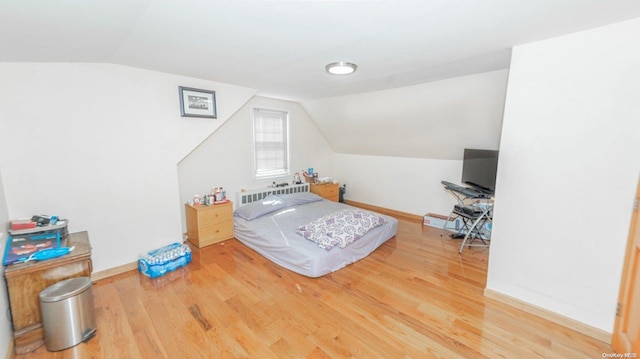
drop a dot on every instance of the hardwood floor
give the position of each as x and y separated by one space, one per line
414 297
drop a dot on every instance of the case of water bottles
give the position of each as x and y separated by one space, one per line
163 260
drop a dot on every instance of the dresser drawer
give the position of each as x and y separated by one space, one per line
330 191
215 233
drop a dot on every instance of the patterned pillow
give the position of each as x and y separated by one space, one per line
340 228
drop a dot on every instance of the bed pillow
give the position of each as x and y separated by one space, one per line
340 228
259 208
294 199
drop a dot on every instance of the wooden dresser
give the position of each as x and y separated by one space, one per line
25 281
330 191
207 225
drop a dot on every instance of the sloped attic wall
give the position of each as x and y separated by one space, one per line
434 120
98 144
225 158
394 147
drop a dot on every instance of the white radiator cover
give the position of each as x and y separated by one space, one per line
245 197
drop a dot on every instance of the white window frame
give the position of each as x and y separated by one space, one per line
276 171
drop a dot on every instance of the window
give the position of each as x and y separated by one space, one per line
270 143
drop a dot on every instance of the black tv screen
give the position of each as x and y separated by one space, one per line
479 169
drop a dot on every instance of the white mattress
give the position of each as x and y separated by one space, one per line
274 236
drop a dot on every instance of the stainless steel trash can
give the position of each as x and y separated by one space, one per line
68 315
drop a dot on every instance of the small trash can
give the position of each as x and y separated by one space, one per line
68 315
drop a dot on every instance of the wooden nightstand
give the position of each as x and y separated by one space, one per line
330 191
25 281
207 225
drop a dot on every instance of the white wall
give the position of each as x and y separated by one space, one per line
567 173
395 146
99 144
5 322
225 158
410 185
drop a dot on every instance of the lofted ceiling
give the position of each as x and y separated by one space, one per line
280 47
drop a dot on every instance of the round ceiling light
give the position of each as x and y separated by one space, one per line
341 68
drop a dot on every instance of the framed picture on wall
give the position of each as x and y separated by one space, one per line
197 103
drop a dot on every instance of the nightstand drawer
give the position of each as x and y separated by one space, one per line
215 214
214 234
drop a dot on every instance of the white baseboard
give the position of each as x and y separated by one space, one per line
114 271
10 351
572 324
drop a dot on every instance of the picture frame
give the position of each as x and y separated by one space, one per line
197 103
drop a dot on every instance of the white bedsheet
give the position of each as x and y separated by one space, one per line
274 236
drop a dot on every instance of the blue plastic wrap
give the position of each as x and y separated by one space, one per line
163 260
20 247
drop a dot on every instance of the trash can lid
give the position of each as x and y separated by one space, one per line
65 289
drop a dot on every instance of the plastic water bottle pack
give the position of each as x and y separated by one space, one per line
163 260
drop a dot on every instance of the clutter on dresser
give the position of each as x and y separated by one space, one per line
36 221
217 196
316 179
39 238
310 176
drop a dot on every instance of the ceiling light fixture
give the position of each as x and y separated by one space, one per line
341 68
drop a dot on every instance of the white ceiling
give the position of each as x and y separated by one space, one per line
280 47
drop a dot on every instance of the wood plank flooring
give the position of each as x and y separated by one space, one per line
414 297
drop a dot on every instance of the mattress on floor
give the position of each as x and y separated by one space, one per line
274 236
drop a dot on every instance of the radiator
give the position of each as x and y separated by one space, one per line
253 195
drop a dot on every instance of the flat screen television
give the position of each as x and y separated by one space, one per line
479 169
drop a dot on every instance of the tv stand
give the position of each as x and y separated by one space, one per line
477 224
476 216
461 192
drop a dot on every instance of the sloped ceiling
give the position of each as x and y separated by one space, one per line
431 77
435 120
280 47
